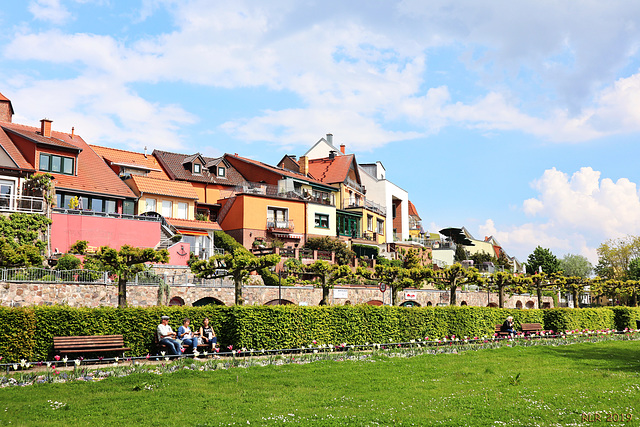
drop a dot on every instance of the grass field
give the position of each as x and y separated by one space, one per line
579 384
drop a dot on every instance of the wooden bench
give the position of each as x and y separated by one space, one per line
500 332
89 344
528 328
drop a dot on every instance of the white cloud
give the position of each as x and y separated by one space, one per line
576 214
49 10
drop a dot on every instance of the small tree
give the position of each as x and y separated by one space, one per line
454 276
14 255
542 258
343 254
124 263
238 265
500 282
330 275
68 262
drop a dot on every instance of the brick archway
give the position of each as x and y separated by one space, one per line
279 302
375 302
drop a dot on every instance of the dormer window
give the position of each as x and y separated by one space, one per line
56 164
196 168
222 172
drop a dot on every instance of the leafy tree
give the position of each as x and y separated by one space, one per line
411 259
79 247
343 254
576 265
541 282
238 265
396 278
68 262
575 285
501 282
504 261
329 275
13 255
124 263
453 276
460 254
615 255
542 258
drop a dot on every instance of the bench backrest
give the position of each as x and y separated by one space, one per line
531 326
97 342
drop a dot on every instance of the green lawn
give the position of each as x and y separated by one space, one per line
539 385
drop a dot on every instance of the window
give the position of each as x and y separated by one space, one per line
222 172
196 168
6 191
380 229
56 164
110 206
322 221
151 205
167 208
96 204
128 207
182 210
369 222
277 218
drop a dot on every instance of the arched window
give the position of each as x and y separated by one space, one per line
530 304
279 302
207 301
176 301
463 303
519 305
375 302
409 304
429 304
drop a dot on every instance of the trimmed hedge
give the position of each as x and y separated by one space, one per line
27 333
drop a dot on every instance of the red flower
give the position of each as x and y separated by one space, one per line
57 357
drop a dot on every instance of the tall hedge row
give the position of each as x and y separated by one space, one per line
27 333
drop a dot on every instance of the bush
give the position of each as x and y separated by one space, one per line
68 262
27 333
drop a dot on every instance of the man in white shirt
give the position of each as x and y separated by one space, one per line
167 337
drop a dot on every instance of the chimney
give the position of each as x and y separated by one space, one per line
6 109
45 127
73 130
332 154
145 151
304 165
342 148
330 138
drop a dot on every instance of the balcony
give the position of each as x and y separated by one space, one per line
25 204
364 203
351 183
283 226
276 192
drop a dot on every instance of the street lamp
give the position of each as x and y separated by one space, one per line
280 270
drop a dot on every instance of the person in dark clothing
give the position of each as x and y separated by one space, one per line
507 326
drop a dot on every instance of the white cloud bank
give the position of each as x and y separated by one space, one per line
568 208
361 68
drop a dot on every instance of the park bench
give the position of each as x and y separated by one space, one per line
500 332
528 328
93 344
160 346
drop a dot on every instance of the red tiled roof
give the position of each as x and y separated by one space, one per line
93 174
131 159
331 171
194 225
234 159
163 187
173 165
412 210
13 152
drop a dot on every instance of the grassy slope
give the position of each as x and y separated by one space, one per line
556 385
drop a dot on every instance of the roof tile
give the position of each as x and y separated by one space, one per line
163 187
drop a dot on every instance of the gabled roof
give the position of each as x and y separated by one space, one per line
192 158
413 211
333 171
323 145
163 187
267 173
13 152
34 136
131 159
173 164
93 176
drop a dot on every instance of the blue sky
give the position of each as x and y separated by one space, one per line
514 119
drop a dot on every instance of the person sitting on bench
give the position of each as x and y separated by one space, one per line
207 334
187 336
167 337
507 326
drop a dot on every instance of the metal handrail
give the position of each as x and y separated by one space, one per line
20 203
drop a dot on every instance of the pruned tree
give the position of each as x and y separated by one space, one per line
329 275
125 264
501 282
454 276
238 265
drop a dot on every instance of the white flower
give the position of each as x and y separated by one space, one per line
116 359
77 362
65 359
162 353
195 353
48 364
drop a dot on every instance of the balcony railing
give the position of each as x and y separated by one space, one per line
280 225
364 203
19 203
351 183
275 191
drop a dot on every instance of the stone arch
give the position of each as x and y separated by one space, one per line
429 304
530 304
279 302
463 303
410 304
176 301
207 301
493 305
375 302
519 305
347 302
